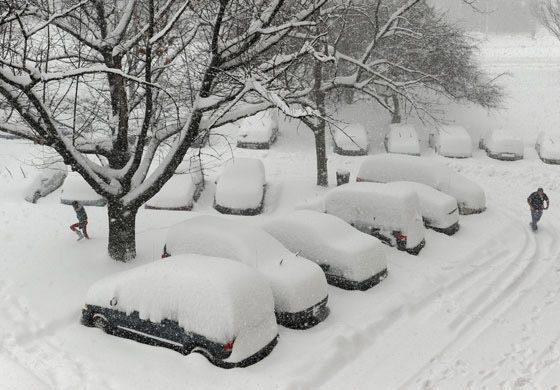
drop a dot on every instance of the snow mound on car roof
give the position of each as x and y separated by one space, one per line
241 184
326 239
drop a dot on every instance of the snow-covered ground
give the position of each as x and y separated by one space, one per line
476 310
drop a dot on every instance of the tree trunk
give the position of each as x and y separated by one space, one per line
321 154
122 232
396 115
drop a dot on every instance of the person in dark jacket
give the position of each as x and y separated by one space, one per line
536 202
82 221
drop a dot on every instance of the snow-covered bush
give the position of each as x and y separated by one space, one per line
351 140
439 210
240 187
402 139
258 131
374 208
548 148
76 188
47 180
298 285
350 259
501 145
217 299
453 141
384 168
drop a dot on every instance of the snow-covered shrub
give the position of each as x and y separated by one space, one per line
350 259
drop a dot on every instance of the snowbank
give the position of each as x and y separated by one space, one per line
378 208
347 256
258 131
384 168
403 139
46 181
76 188
217 298
453 141
240 187
501 145
297 283
438 210
548 148
351 140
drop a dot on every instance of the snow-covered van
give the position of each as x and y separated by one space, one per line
351 140
189 303
439 211
548 148
299 286
402 139
385 168
382 211
453 141
502 145
350 259
240 188
258 131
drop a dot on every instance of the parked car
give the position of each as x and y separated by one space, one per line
76 188
240 188
439 211
377 209
350 259
182 190
453 141
47 180
385 168
189 303
298 285
258 131
402 139
548 148
502 145
351 140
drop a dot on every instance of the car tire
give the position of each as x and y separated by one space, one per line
101 322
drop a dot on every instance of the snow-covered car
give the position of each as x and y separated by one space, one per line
46 181
351 140
402 139
439 211
453 141
240 188
76 188
299 286
181 190
501 145
350 259
189 303
548 148
391 215
258 131
385 168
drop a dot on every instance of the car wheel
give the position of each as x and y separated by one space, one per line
101 322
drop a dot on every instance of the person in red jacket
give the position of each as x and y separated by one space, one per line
536 202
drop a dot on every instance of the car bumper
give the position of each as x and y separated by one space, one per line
450 230
347 152
304 319
347 284
255 358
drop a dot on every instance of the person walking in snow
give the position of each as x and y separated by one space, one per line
82 221
536 202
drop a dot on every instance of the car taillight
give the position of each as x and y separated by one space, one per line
228 347
401 237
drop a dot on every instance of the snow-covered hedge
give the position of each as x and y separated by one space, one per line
47 180
349 258
351 140
453 141
379 208
384 168
214 297
439 210
402 139
297 283
548 148
76 188
258 131
500 144
240 187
